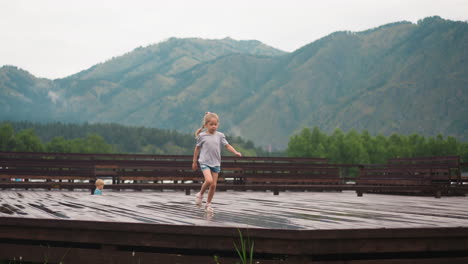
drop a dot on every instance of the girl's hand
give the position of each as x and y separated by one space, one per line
238 154
194 166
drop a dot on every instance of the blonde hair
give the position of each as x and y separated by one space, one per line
208 116
99 182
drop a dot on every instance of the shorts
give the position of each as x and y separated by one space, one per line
216 169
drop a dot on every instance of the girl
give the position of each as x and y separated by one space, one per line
208 153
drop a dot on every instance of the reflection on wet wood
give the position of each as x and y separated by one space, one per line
290 210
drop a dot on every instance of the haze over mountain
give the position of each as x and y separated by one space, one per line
397 78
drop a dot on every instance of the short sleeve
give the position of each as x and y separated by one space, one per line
199 141
223 140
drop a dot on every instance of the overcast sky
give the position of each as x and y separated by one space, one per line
57 38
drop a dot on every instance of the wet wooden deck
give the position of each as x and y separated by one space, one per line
290 210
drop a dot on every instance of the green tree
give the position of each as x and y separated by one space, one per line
363 148
28 141
299 145
7 137
59 145
337 147
380 153
418 145
452 146
355 152
96 144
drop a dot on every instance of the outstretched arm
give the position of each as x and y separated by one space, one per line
233 150
196 151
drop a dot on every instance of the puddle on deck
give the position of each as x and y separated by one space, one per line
289 210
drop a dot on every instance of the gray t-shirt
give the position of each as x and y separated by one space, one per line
210 152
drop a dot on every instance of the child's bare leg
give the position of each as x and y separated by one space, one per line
208 181
212 190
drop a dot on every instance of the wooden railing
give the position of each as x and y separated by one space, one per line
136 171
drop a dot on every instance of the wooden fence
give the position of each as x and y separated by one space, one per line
425 175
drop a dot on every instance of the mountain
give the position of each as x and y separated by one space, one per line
397 78
23 96
131 89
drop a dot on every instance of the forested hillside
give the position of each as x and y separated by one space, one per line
399 78
107 138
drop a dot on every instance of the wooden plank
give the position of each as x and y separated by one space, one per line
97 156
293 181
297 228
395 181
455 159
270 241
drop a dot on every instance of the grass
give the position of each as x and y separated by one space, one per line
245 249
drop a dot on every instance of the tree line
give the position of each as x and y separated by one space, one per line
363 148
27 141
103 138
339 147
